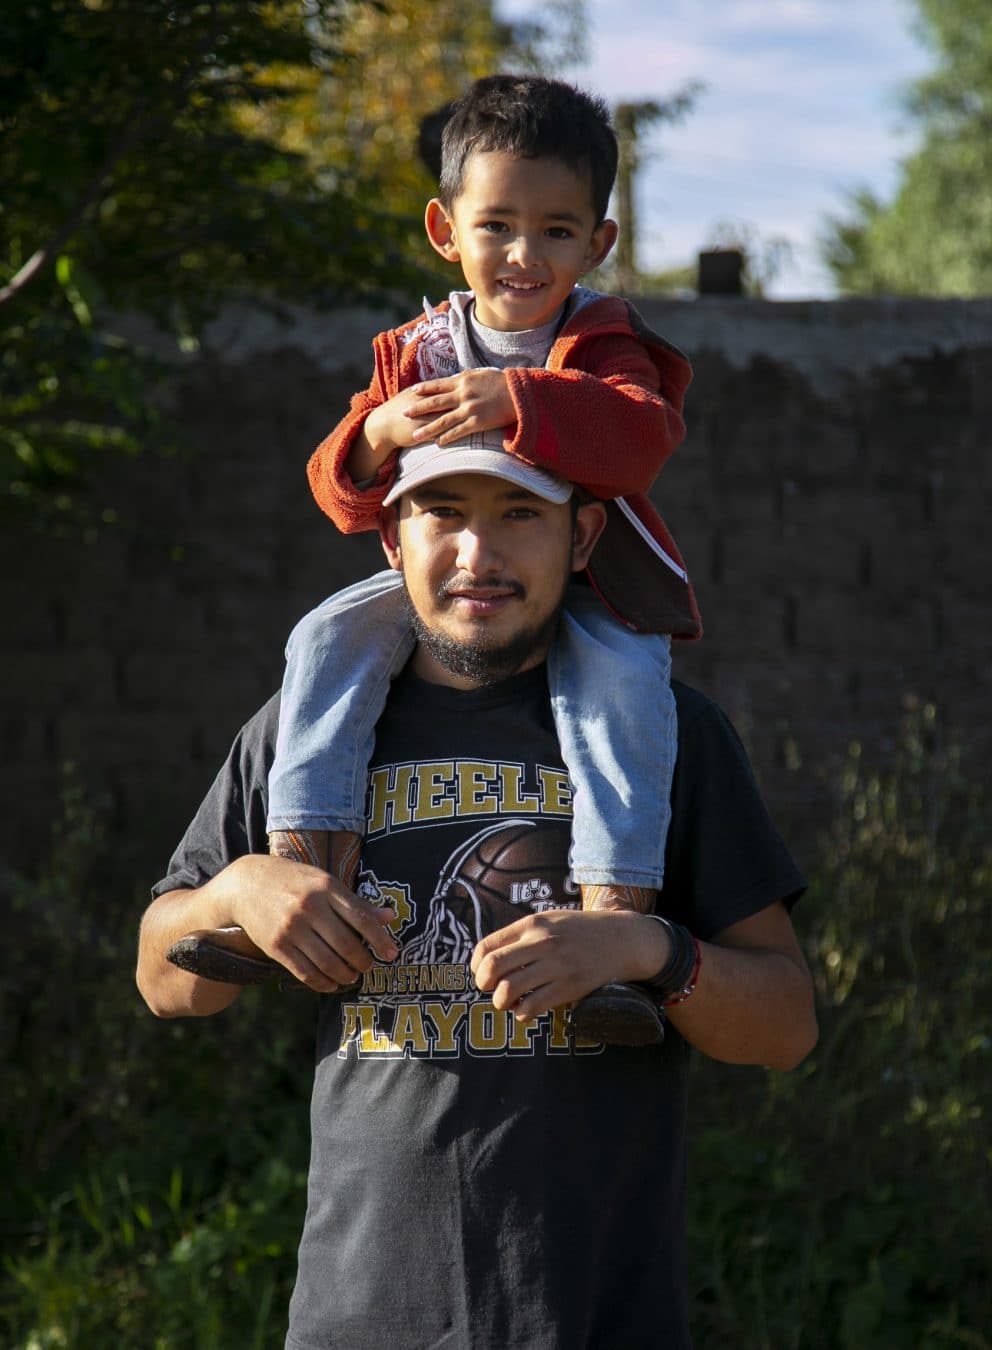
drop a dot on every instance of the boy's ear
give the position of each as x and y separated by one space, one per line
604 236
441 231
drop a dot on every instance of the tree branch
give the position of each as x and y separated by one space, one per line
136 131
41 256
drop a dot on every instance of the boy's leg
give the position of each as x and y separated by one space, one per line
340 661
333 851
615 716
620 1014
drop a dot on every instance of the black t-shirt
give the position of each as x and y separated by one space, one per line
474 1183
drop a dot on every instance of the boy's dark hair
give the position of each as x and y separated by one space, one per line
527 116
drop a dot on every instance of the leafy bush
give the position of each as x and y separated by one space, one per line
132 1265
154 1171
846 1205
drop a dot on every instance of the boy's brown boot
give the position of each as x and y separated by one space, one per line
334 851
619 1014
228 954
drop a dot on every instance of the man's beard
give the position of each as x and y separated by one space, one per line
480 660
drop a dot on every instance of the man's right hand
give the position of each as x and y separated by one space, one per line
310 922
307 920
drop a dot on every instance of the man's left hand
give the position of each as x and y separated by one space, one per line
545 960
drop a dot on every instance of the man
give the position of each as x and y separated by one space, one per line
478 1177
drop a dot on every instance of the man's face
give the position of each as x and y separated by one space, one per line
524 231
486 564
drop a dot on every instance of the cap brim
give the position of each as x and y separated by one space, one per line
423 464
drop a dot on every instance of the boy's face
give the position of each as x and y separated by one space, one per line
524 231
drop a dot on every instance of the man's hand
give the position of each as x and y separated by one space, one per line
300 916
753 999
448 410
308 921
545 960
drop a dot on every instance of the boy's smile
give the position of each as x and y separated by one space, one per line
524 231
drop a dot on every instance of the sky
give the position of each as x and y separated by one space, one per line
800 108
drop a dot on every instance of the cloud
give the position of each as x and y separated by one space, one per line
800 107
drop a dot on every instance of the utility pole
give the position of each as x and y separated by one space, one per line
629 120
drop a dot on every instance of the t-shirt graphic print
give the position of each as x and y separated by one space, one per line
459 847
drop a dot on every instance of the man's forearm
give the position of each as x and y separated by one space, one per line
168 991
753 1000
300 916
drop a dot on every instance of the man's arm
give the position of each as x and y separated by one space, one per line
169 991
753 1000
221 875
304 918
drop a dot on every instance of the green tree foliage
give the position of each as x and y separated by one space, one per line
845 1206
154 1173
358 124
126 185
935 236
159 157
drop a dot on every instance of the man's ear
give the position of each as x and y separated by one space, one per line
441 231
604 236
389 536
590 522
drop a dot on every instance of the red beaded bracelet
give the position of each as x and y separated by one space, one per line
690 984
676 980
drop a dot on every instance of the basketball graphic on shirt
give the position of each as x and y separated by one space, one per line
506 871
500 874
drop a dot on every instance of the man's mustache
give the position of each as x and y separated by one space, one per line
472 586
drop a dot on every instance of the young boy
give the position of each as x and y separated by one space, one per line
568 380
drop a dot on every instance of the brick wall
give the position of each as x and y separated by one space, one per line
830 499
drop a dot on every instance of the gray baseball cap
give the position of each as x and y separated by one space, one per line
482 452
